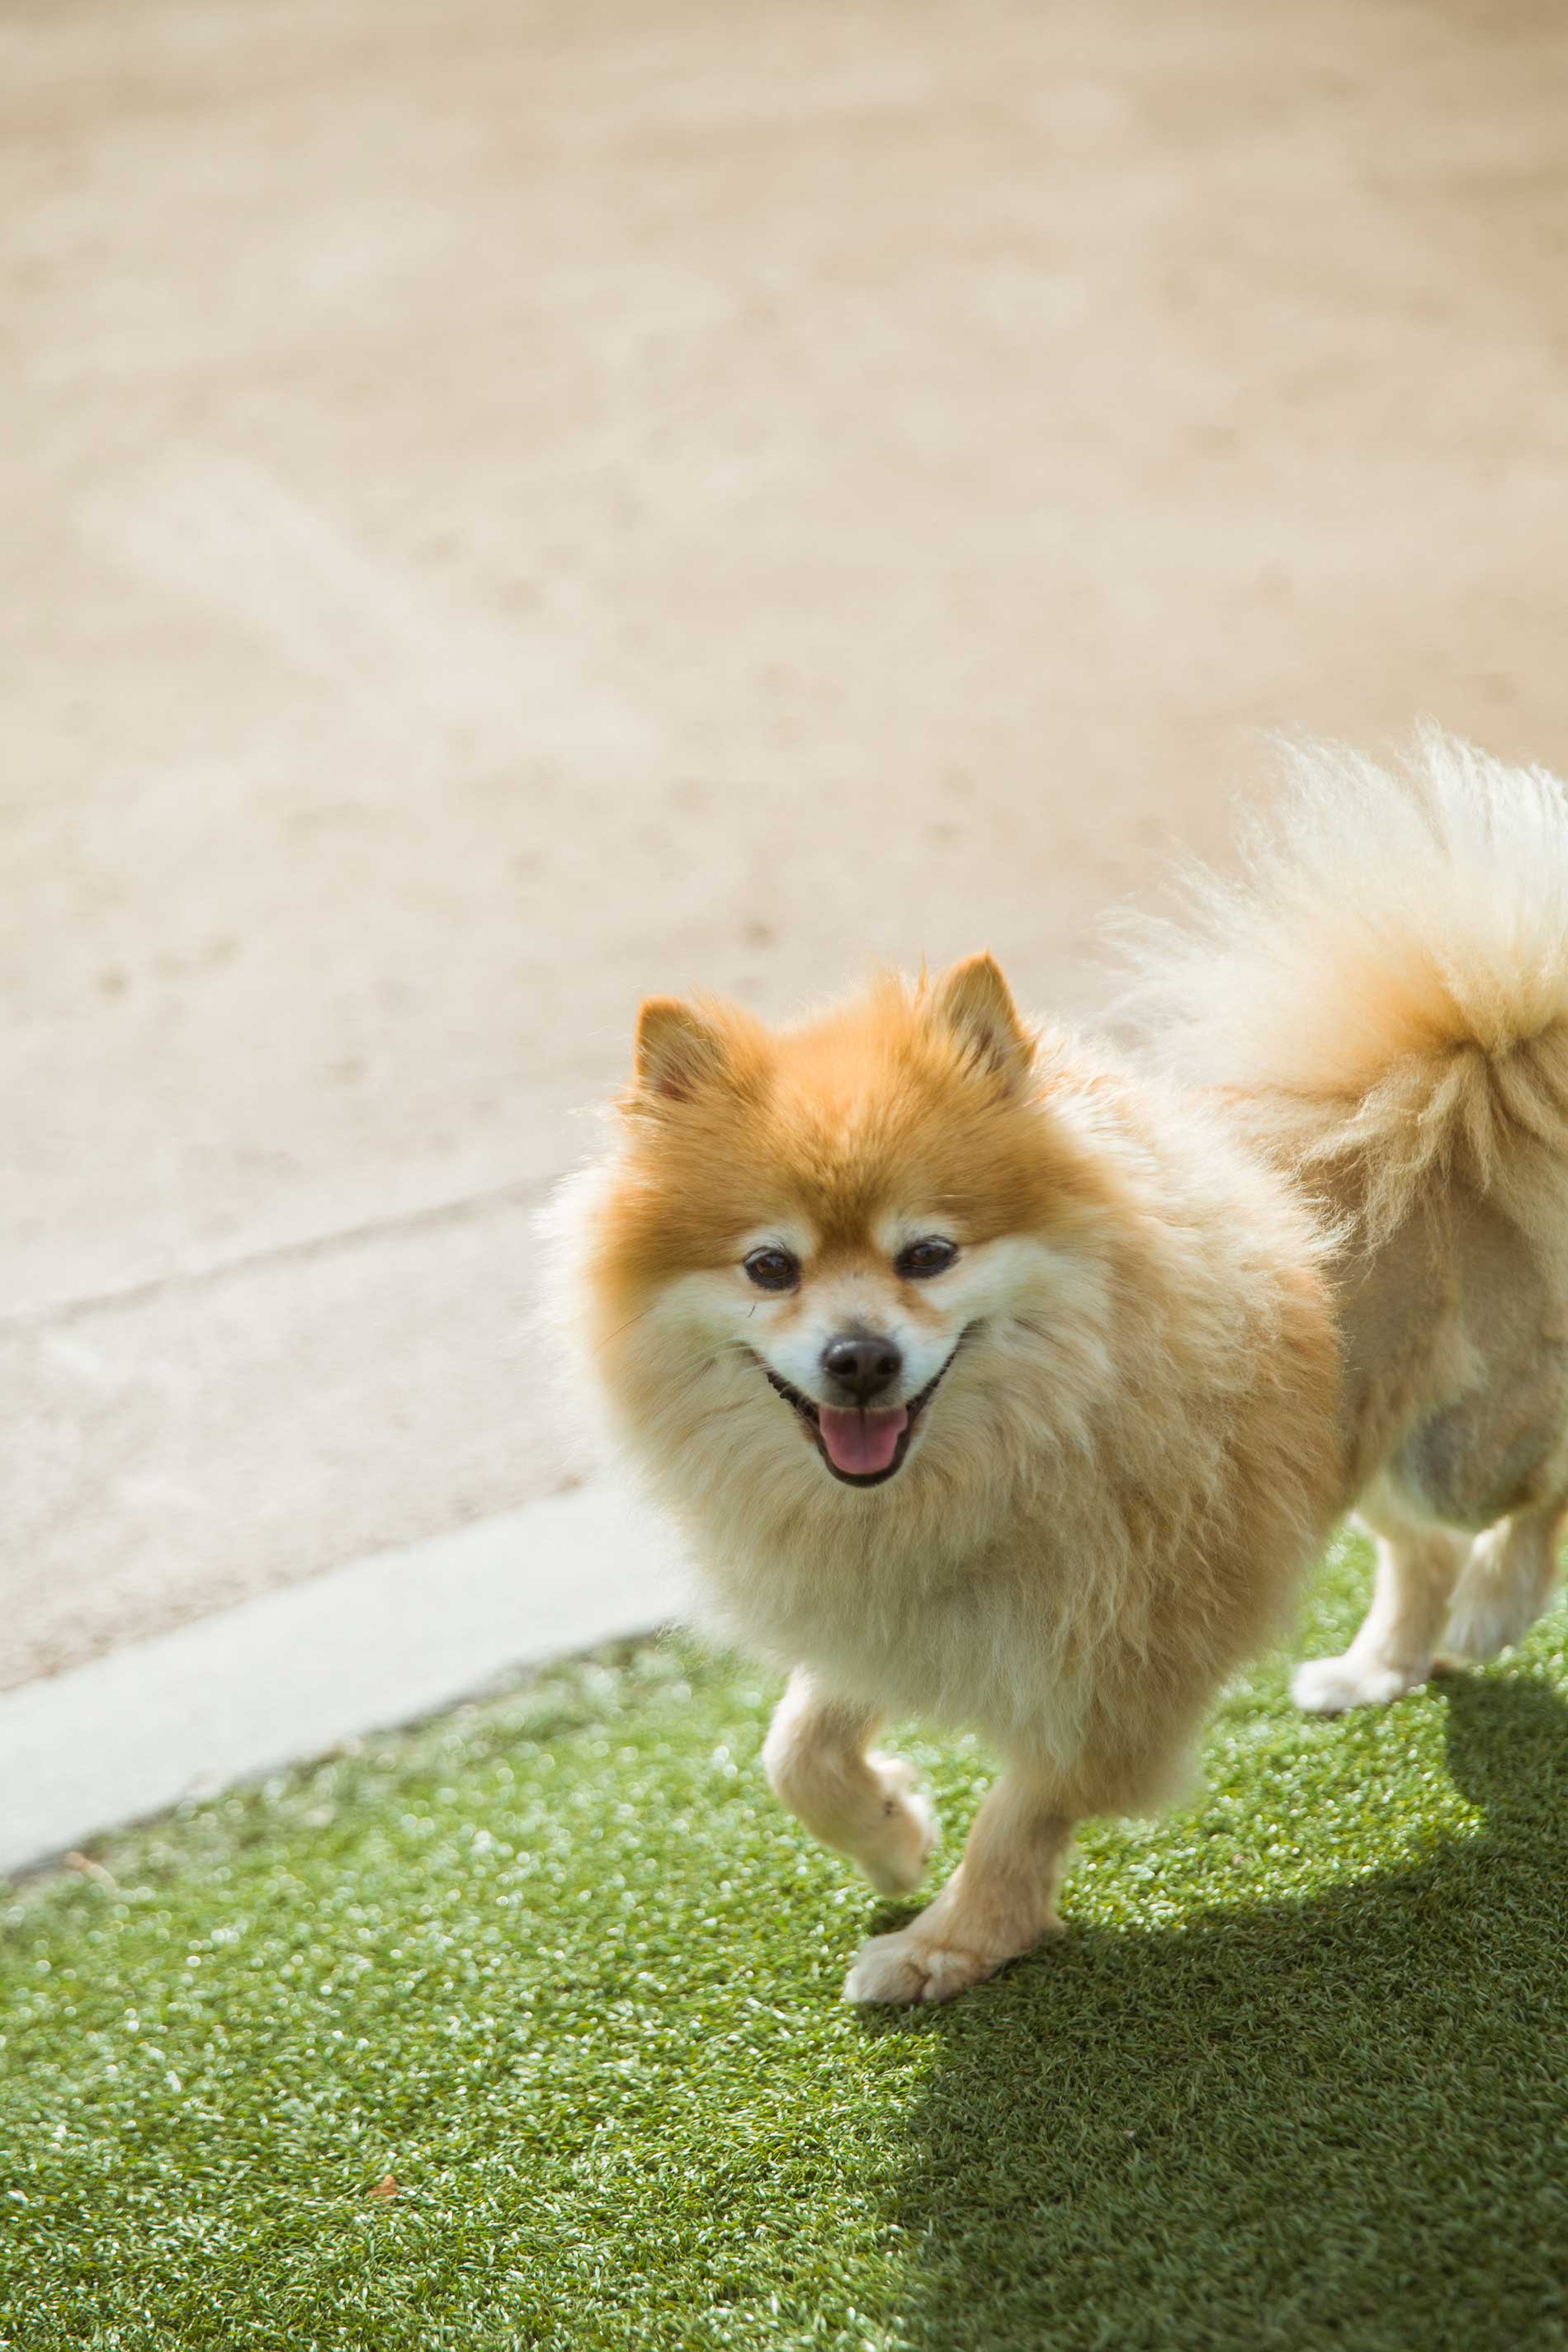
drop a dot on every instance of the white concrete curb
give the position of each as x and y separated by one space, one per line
286 1677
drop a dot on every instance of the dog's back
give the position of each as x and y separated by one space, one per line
1382 1003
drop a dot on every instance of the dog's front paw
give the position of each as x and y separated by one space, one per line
909 1967
1330 1685
907 1832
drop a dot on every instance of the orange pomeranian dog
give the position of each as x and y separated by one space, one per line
995 1377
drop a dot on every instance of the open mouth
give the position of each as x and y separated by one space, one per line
863 1446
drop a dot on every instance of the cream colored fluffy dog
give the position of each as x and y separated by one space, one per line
997 1379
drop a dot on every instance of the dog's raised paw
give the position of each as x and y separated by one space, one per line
906 1969
908 1831
1332 1685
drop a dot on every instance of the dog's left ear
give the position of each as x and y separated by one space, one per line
974 999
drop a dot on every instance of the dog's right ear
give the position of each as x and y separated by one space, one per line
677 1052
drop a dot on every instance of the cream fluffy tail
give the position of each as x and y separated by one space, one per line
1387 982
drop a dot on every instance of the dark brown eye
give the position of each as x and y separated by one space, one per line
772 1269
925 1258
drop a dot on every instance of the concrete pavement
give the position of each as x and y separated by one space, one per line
505 507
292 1674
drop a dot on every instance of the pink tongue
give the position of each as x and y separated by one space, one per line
861 1442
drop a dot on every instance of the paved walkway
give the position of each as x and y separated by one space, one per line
507 506
292 1674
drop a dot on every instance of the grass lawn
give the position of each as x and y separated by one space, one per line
522 2030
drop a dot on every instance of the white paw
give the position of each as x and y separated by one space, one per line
907 1832
909 1967
1330 1685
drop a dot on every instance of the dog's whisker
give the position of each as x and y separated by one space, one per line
610 1337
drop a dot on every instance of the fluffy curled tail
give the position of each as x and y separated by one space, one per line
1386 982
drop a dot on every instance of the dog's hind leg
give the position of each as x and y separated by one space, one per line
1506 1584
866 1805
1417 1568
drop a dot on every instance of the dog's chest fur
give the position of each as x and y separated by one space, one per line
986 1643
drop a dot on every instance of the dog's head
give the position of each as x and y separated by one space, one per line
824 1256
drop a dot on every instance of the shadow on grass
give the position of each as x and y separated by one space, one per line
1339 2121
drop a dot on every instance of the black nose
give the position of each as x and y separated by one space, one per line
862 1365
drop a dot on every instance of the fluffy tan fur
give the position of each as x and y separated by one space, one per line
1312 1246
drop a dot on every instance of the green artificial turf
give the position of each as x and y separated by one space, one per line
559 1968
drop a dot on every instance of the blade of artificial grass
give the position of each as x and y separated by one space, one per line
522 2030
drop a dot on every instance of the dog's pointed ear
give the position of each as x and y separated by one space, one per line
677 1052
975 1001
